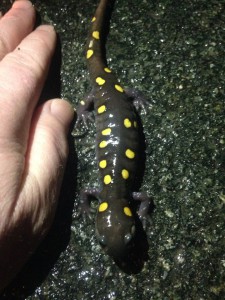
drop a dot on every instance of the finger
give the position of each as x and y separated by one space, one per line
45 161
17 23
22 75
32 214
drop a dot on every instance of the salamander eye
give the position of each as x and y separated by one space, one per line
102 240
127 238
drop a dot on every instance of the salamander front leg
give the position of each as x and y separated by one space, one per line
144 206
85 200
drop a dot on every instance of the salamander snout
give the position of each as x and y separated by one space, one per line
115 227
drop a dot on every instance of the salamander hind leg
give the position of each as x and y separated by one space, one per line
138 98
84 110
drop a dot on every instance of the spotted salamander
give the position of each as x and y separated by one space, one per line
117 145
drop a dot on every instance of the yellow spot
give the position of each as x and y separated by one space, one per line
100 80
107 179
89 53
127 211
101 109
125 174
107 70
82 102
106 131
135 124
127 123
118 88
93 19
129 154
103 144
95 35
103 206
103 164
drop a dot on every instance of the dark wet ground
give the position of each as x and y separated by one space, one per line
173 51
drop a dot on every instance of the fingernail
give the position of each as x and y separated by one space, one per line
63 111
24 4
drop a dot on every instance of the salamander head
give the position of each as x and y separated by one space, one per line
115 227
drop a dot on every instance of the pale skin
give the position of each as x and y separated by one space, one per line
33 138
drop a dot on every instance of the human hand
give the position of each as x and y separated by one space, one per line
33 139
